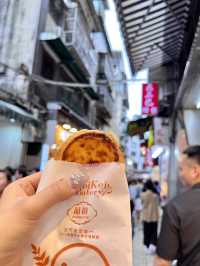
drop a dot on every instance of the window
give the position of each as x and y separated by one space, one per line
48 66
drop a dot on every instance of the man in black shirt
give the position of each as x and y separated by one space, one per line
180 231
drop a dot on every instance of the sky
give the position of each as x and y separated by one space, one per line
117 43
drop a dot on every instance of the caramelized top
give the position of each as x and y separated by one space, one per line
90 146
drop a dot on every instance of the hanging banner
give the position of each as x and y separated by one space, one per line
150 99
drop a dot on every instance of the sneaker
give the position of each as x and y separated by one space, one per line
147 251
152 249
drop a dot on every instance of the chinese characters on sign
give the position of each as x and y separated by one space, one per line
150 99
71 232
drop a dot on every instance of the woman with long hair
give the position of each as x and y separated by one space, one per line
150 202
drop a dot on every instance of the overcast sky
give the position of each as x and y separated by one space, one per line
116 40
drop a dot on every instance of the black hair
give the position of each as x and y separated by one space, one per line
9 171
8 177
193 152
149 185
22 170
36 169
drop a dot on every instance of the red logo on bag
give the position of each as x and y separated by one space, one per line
82 213
57 260
41 259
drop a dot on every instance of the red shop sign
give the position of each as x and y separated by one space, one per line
150 99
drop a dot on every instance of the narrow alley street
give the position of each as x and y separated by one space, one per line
140 257
99 131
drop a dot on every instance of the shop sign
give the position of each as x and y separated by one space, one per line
150 99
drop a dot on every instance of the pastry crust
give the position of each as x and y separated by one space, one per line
90 146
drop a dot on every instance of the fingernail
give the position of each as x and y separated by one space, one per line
78 180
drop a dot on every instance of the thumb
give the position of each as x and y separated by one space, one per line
59 191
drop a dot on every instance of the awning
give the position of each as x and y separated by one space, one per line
13 111
61 50
154 30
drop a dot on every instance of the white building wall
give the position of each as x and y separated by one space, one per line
11 145
18 35
192 120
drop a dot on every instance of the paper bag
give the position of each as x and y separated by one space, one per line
93 228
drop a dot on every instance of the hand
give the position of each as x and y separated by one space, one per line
20 210
161 262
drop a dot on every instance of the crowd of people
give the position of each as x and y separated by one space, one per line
145 202
9 174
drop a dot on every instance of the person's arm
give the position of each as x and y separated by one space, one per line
161 262
168 242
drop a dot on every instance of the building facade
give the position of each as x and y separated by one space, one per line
57 75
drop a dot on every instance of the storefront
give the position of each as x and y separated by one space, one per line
18 128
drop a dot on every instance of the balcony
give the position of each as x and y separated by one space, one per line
76 37
108 102
106 69
105 105
70 25
73 100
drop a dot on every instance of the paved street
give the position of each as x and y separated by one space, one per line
140 258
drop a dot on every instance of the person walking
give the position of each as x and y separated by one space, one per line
180 231
132 193
150 202
138 202
138 208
